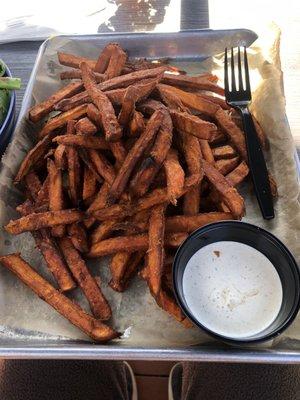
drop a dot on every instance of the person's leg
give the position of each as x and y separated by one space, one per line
63 380
208 381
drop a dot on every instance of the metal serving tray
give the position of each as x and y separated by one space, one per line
183 46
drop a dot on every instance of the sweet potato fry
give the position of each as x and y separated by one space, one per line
33 156
37 221
228 193
99 202
70 60
116 62
175 176
109 121
119 152
193 125
192 82
50 252
193 156
56 198
155 254
189 223
62 304
75 73
273 186
134 155
85 127
191 100
122 81
172 101
133 94
73 166
217 100
167 302
236 176
233 132
225 166
206 151
78 237
33 184
43 194
104 57
62 119
60 157
131 244
103 167
37 112
150 166
129 264
136 124
85 280
223 152
89 184
89 142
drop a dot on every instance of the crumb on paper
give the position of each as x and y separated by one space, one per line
217 253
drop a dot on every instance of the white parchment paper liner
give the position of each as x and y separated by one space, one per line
24 315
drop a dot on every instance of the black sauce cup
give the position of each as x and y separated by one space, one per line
262 241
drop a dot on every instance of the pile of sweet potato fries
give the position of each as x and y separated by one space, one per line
139 156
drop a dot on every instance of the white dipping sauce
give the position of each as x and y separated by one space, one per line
232 289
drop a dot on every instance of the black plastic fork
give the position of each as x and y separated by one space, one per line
240 99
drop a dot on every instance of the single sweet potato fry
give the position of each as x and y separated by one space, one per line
62 119
33 156
206 151
167 302
189 223
73 166
155 254
103 167
136 124
174 175
56 197
193 125
37 112
116 62
89 184
109 121
150 166
233 132
134 155
98 303
236 176
70 60
104 57
60 157
85 127
191 100
89 142
122 81
43 194
223 152
78 236
48 219
75 73
133 94
214 99
131 244
193 156
225 166
228 193
62 304
192 82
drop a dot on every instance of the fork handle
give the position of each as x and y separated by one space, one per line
257 166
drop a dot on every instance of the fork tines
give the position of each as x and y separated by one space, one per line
244 91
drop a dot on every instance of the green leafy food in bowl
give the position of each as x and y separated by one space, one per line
6 84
